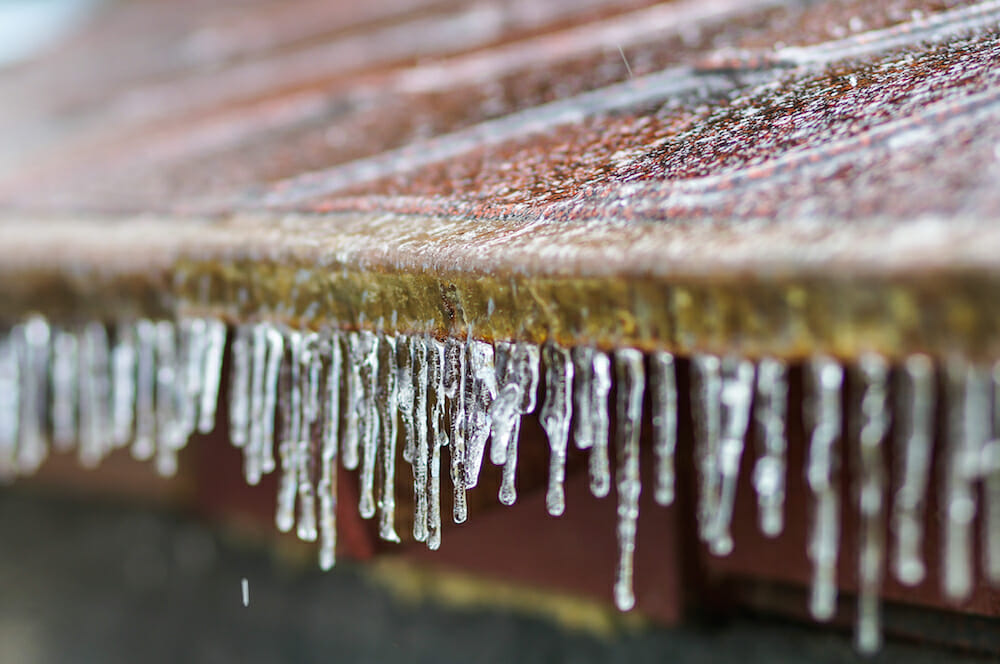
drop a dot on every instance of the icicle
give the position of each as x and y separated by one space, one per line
874 425
990 465
707 392
522 371
968 426
405 391
822 416
436 356
327 487
388 398
454 380
736 395
272 375
505 409
312 365
143 445
65 379
254 448
10 405
95 434
211 374
769 471
481 380
555 418
354 402
664 384
369 421
193 341
289 446
592 385
420 375
914 440
35 348
631 385
239 386
123 372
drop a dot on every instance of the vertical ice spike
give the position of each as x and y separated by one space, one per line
168 389
631 386
436 357
454 380
239 386
35 346
706 405
95 433
370 426
123 376
312 365
193 341
522 370
272 374
968 429
481 379
259 364
914 440
505 408
144 443
990 465
289 445
873 372
591 387
420 375
327 487
822 416
211 374
353 403
10 404
769 472
405 390
736 397
555 417
583 372
388 398
65 379
664 385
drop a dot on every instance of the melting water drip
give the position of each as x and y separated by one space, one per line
346 398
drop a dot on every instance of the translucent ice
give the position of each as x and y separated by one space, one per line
769 472
664 403
631 386
555 418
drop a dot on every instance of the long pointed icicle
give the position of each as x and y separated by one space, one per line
239 386
312 365
822 416
990 464
706 406
769 472
481 380
436 356
664 385
914 440
387 404
405 391
555 417
211 374
36 340
874 425
968 427
95 398
370 426
454 380
272 375
327 487
421 375
353 402
288 448
65 373
193 341
143 444
736 395
123 376
583 373
255 440
631 385
10 406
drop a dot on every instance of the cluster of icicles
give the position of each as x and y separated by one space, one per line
348 397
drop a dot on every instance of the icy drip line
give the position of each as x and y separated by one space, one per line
346 398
